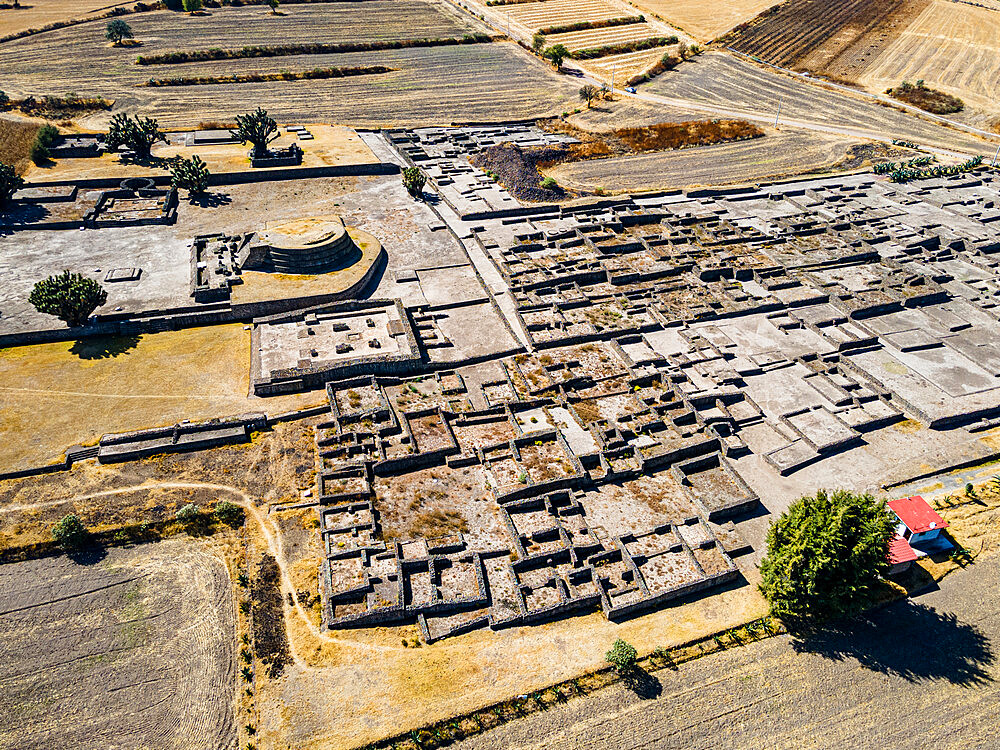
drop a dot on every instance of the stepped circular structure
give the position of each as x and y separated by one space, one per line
311 245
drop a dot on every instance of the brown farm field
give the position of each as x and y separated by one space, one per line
428 85
34 14
737 86
776 155
704 20
135 650
952 46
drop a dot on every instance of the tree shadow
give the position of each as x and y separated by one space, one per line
211 200
90 553
908 640
104 347
18 215
643 684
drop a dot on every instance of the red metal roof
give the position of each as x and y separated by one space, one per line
917 514
900 551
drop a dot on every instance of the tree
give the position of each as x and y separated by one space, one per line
622 656
4 100
257 128
229 513
70 533
118 31
10 183
588 93
538 43
557 53
71 297
136 133
46 136
682 50
414 181
192 6
191 175
273 5
825 553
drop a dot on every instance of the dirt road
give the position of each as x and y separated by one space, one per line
916 674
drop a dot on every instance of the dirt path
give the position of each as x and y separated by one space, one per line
918 673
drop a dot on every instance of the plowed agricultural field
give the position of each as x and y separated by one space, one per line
818 29
741 87
577 40
701 19
33 14
559 12
954 47
135 651
427 86
629 64
775 155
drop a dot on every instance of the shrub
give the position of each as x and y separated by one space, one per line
118 31
70 533
136 133
414 181
192 6
4 99
622 656
549 184
538 42
825 553
10 183
71 297
47 135
191 175
229 513
188 514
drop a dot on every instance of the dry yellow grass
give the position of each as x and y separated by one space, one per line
703 20
55 395
38 13
16 137
954 47
370 674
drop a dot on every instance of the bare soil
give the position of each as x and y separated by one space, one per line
132 650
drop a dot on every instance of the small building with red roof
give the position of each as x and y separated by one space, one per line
918 534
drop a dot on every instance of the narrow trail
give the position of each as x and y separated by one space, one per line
271 536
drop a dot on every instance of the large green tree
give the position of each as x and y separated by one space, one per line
825 554
118 31
71 297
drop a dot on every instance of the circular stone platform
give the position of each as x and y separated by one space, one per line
313 245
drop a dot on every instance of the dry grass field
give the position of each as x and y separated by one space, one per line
428 85
724 81
704 20
35 14
952 46
16 139
590 38
135 651
81 390
776 155
540 15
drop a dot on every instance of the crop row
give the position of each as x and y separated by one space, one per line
617 49
585 25
285 50
285 75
